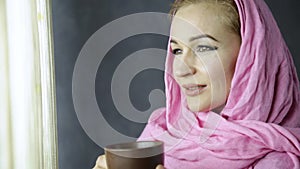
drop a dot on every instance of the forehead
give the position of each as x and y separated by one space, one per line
196 19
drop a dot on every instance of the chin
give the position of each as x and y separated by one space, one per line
195 105
197 108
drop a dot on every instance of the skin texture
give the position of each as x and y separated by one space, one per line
207 61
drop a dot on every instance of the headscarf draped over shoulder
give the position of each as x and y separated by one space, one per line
259 126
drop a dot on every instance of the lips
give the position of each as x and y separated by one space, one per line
193 89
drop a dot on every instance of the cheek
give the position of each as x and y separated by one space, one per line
229 67
220 67
218 79
214 68
229 61
175 64
229 74
175 68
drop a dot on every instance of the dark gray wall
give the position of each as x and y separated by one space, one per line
74 21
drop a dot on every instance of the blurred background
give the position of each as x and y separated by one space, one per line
75 21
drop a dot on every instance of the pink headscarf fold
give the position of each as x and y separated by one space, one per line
259 126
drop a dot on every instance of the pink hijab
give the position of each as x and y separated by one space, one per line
259 126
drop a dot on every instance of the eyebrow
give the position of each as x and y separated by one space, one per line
203 36
197 37
173 41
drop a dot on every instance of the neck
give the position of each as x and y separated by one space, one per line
218 109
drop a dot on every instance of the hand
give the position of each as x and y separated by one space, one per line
100 163
160 167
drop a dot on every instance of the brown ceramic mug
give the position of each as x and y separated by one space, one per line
135 155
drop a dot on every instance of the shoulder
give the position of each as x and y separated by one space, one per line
157 115
155 123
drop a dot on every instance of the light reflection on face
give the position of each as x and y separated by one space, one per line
205 51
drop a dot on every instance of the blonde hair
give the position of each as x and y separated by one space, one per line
229 8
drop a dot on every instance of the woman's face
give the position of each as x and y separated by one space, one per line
205 51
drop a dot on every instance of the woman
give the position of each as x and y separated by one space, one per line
231 87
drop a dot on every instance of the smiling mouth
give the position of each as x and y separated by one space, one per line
193 89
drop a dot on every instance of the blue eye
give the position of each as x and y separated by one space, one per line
177 51
205 48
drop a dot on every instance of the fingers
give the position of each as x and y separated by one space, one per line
100 163
160 167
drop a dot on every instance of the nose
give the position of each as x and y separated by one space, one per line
184 65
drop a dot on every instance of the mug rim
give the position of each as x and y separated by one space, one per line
131 150
130 146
